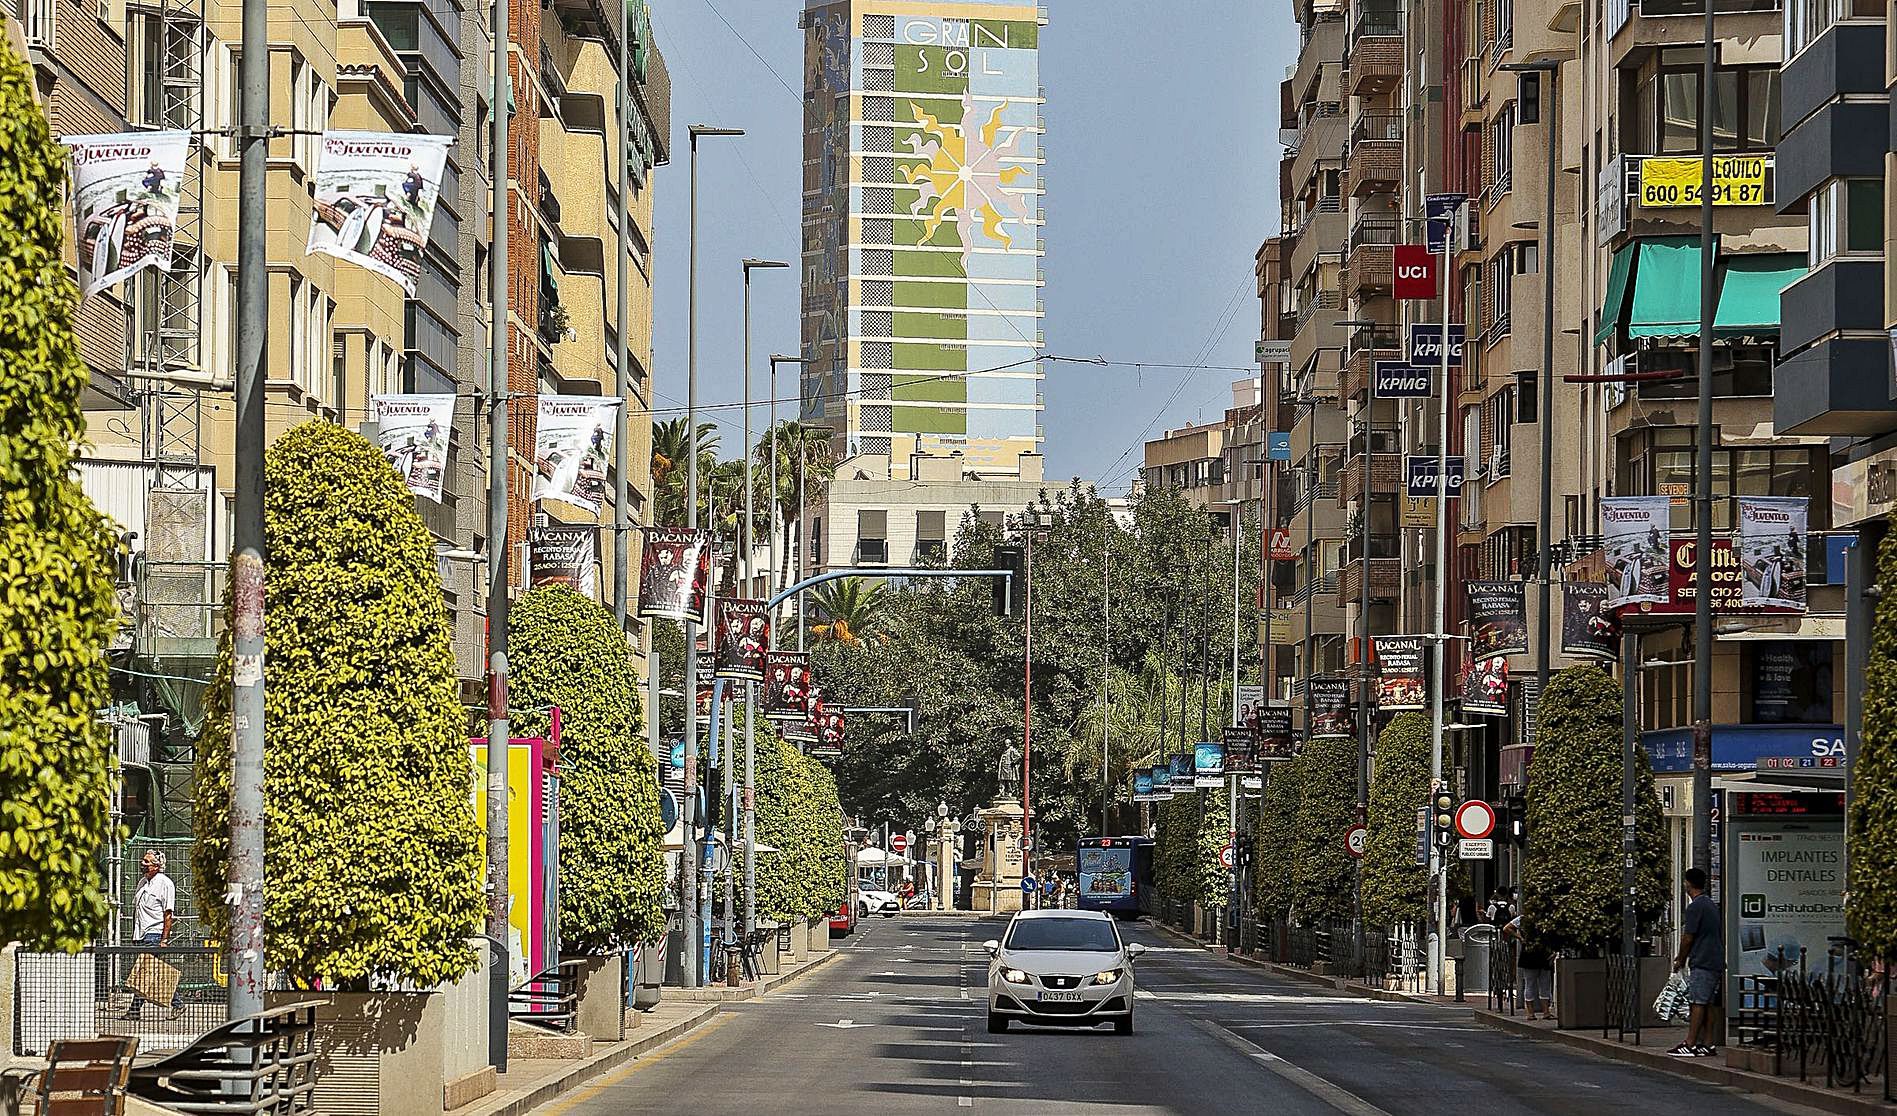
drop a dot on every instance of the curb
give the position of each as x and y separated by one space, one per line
1708 1071
521 1101
1336 984
723 994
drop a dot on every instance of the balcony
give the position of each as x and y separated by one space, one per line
1368 344
1376 154
1376 53
1371 261
1386 472
1323 300
1384 573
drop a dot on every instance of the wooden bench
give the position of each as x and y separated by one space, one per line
82 1077
261 1065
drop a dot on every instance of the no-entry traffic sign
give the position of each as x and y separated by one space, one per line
1475 819
1354 840
898 842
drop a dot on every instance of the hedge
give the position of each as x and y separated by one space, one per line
57 607
1395 886
1274 856
1323 882
1192 829
798 814
1872 908
1571 887
373 857
566 650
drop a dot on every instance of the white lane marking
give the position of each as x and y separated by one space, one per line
1356 1023
1339 1098
846 1024
1252 998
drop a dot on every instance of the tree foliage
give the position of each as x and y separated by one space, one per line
1571 893
1872 906
1274 853
1395 886
58 609
373 855
1327 807
1192 829
798 814
566 650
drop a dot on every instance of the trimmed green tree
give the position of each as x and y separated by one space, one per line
1274 858
57 610
373 848
1395 886
1327 807
1872 910
1192 829
566 650
1571 890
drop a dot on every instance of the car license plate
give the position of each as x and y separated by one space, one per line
1060 997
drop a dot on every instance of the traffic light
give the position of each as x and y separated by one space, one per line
1442 818
1528 97
1008 591
714 798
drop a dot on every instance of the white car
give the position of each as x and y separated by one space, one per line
1061 968
871 901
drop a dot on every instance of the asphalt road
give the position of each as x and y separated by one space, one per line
898 1026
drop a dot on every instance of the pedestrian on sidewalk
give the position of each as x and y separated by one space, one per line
1535 966
1702 954
153 908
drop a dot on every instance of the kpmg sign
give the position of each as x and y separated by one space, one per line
1426 344
1749 748
1399 379
1419 475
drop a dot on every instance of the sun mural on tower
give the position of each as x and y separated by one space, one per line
965 173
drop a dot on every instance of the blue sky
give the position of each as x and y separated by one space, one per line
1161 182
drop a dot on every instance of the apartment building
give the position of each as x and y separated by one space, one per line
864 521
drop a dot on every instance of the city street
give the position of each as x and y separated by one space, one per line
897 1026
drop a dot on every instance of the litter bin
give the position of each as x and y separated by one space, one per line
648 972
770 959
675 949
1472 974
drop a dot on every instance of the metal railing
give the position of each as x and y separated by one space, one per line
1505 977
1377 126
164 996
1373 230
1623 996
1834 1020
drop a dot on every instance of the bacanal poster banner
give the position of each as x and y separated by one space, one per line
376 194
1277 740
1330 707
1589 629
1240 749
786 677
1485 687
831 734
744 639
804 730
674 569
1772 551
566 554
1634 534
125 190
1498 618
573 448
413 430
1401 683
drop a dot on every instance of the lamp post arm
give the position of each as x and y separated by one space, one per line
880 571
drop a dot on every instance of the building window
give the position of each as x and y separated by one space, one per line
1745 108
1787 682
1659 462
816 541
1847 218
931 534
1504 144
872 537
1805 20
1527 397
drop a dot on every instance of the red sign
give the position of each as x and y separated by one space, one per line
1281 545
897 842
1415 272
1683 587
1475 819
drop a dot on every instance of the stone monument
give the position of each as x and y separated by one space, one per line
997 887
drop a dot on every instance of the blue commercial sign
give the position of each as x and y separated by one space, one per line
1419 475
1426 344
1749 747
678 755
1278 445
1439 216
1399 379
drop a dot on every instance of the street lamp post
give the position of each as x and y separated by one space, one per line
688 813
1365 698
1035 521
1703 479
777 359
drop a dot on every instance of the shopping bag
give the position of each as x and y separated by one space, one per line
1671 1004
154 979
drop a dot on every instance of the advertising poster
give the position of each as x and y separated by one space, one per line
1772 551
1634 535
703 680
1485 687
786 678
804 730
375 198
1183 768
1400 680
1240 749
1142 787
1330 707
1280 548
674 569
413 430
1250 700
1589 629
1208 763
1106 872
830 730
125 190
1790 886
1161 776
566 554
744 639
1498 618
1277 740
573 448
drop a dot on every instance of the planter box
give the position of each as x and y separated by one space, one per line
799 940
1580 991
602 1006
817 934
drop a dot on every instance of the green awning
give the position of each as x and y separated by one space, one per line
1612 307
1666 288
1748 292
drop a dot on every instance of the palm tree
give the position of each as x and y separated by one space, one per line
804 467
852 609
669 451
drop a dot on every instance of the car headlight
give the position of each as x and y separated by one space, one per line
1107 977
1014 976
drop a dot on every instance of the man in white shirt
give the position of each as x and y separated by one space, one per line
152 911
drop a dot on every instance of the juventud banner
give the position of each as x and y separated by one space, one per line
573 448
376 194
413 430
1634 536
125 189
1772 551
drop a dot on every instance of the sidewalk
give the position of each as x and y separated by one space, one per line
789 972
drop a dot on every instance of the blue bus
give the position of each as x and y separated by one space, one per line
1115 874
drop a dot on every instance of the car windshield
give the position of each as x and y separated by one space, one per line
1093 934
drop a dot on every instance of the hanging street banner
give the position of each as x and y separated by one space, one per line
376 194
674 569
1399 379
1161 776
565 554
413 430
1401 684
1589 629
786 677
706 676
1250 700
1772 548
1415 271
830 732
1485 687
1634 532
573 448
1241 748
125 190
744 639
804 730
1208 764
1281 549
1498 618
1426 344
1181 766
1440 212
1143 785
1329 714
1419 476
1668 183
1277 740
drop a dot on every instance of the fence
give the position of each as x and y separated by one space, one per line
1625 1005
90 994
1505 976
1834 1021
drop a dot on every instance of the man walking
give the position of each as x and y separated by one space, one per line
153 908
1702 955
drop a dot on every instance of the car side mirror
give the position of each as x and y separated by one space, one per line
992 945
1135 950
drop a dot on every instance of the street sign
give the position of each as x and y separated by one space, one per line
1281 549
1419 475
897 843
1227 855
1278 445
668 808
1475 849
1417 511
1354 840
678 755
1475 819
1399 379
1273 352
1439 218
1415 272
1426 344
